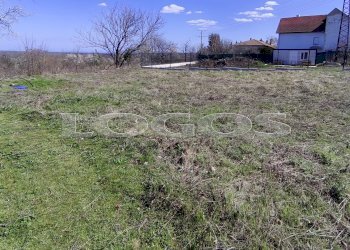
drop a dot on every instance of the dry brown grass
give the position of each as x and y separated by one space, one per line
208 192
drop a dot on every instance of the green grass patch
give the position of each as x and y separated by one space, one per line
157 192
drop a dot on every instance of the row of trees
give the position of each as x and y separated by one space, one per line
121 32
216 45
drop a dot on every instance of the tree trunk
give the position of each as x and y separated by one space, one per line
116 60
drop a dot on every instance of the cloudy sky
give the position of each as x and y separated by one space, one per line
56 22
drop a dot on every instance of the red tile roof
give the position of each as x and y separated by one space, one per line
254 42
304 24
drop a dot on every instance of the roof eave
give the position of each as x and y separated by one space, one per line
300 32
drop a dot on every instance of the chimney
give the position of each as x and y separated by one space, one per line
298 15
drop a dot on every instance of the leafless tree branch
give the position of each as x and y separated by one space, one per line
122 31
8 16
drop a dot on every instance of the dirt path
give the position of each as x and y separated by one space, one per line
170 65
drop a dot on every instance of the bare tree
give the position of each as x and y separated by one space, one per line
158 49
226 46
8 16
34 57
214 43
122 31
218 45
272 40
157 44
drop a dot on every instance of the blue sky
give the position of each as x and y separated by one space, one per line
56 22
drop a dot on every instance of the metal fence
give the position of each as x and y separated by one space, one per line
326 57
147 59
332 56
265 58
246 60
238 60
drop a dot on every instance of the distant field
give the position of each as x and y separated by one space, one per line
157 192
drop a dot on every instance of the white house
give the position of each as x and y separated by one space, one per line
302 38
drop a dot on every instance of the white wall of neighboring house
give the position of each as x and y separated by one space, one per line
301 40
294 57
291 45
332 32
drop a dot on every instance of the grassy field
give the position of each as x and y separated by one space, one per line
157 192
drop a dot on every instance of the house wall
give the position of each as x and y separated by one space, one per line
281 57
300 40
293 57
332 32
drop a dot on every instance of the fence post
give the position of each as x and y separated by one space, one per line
309 61
248 60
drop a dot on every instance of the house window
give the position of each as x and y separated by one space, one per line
304 55
316 41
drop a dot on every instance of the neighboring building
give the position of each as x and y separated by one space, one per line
303 38
253 46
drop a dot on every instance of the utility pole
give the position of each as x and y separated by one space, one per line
201 36
201 39
344 32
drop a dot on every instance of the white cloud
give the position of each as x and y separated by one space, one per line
264 15
249 13
195 12
172 9
271 3
102 4
202 23
257 15
244 20
265 8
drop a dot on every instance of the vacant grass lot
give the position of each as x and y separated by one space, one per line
157 192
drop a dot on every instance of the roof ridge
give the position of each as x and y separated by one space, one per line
304 16
245 43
